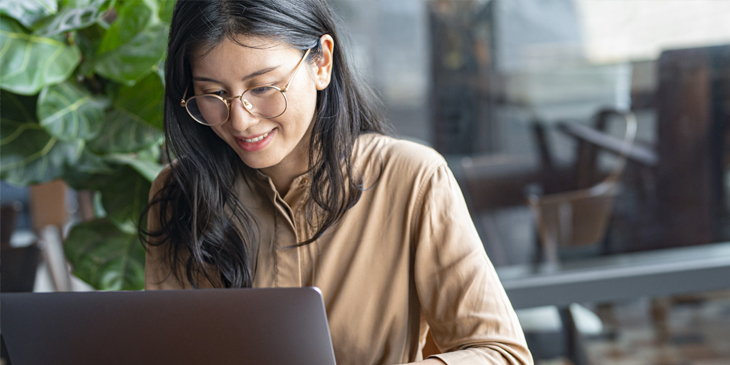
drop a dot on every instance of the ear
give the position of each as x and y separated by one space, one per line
323 72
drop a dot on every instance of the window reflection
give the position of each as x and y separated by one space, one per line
521 95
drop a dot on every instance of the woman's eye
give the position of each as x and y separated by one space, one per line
218 93
262 90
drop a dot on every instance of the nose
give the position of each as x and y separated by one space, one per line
239 118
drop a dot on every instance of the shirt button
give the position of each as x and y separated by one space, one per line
304 181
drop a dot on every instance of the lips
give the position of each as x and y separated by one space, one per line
256 143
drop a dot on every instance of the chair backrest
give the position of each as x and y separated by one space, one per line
48 204
580 217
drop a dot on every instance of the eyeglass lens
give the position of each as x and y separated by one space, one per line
263 102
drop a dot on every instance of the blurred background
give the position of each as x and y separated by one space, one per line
590 139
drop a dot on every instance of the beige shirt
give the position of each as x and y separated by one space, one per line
404 259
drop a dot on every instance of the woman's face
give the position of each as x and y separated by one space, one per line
230 69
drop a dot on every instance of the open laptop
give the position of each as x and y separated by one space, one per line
229 326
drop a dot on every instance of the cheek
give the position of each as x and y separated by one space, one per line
305 87
302 117
305 107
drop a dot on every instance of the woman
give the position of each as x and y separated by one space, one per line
284 177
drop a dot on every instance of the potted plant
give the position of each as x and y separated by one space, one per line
82 92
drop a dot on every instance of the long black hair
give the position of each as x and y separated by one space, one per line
202 224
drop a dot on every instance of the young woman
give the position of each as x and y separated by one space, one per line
284 176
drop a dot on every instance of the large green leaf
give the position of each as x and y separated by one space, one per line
30 62
133 18
86 170
88 40
145 100
30 155
72 18
106 257
135 59
146 168
28 11
68 111
134 43
124 196
124 132
17 108
152 154
124 192
86 3
166 7
161 69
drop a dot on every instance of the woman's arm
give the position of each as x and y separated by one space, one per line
461 297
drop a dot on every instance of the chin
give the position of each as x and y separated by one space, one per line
257 163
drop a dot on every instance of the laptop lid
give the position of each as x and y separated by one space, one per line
230 326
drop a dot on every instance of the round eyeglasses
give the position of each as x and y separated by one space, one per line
264 102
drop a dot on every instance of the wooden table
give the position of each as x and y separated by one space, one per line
615 278
620 277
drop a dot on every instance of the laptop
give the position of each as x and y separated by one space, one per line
215 326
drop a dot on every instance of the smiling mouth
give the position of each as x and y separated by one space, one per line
253 140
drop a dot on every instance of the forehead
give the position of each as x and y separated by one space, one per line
233 59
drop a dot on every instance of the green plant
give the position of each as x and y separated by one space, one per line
82 100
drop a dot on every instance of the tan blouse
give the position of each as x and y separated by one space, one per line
404 259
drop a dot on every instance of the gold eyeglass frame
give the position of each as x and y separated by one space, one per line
246 104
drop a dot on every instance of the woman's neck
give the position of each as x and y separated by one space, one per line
287 170
293 165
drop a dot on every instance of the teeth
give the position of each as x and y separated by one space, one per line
252 140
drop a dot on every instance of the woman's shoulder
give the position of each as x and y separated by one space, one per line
388 152
159 182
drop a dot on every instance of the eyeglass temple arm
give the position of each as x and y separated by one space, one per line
182 102
286 87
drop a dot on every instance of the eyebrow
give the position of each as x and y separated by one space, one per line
249 76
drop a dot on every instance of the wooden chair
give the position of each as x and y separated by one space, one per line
579 218
48 214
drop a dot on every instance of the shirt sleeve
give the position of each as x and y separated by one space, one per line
462 299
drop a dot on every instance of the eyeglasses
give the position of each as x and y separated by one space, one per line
264 102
